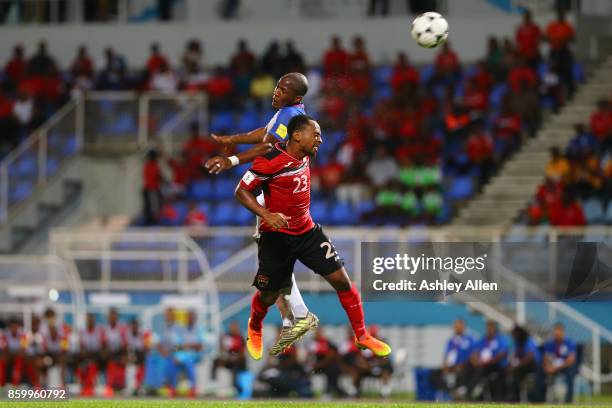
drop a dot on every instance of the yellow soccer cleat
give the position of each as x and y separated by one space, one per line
254 343
290 335
379 348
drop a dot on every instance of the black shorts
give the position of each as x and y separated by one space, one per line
277 253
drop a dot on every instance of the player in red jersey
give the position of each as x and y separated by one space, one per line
288 233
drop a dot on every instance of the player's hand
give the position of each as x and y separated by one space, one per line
222 140
277 220
218 164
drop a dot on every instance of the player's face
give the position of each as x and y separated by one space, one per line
283 94
311 138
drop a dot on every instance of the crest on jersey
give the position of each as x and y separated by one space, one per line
281 130
262 281
248 177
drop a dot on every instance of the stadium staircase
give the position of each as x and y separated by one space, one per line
508 192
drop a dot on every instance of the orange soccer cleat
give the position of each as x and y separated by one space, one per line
254 343
379 348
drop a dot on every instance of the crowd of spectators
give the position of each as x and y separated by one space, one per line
493 369
165 360
578 185
402 145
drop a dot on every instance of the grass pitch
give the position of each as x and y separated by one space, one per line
160 403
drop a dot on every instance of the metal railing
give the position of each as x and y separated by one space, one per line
92 120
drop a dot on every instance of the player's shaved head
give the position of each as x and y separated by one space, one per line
297 82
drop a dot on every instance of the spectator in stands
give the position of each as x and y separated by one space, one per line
456 366
25 114
447 65
494 59
243 61
89 359
335 59
526 102
560 33
163 80
405 78
382 168
324 359
568 213
601 123
138 345
480 150
551 91
507 129
197 149
475 98
286 374
558 167
560 360
583 143
152 184
528 36
196 217
522 75
359 72
82 66
156 60
42 64
292 60
15 69
587 177
114 353
220 90
113 74
271 61
262 88
525 360
489 359
192 56
549 194
231 354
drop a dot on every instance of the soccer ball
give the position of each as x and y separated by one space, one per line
430 29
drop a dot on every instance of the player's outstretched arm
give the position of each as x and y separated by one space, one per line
252 137
219 164
247 199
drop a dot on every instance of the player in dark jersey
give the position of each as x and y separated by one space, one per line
287 98
288 233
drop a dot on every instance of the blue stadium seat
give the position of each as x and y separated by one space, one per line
248 121
224 189
342 214
203 190
427 73
366 206
205 207
70 146
578 71
593 211
497 95
52 166
225 213
222 122
319 210
461 188
20 191
244 216
382 75
24 167
125 123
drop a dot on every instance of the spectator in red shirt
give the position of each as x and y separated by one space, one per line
522 73
198 149
507 127
152 183
528 36
181 173
335 59
475 98
359 59
601 121
15 68
405 78
550 193
82 66
447 64
155 61
480 151
42 64
359 71
568 213
220 89
324 359
243 61
195 216
231 353
560 34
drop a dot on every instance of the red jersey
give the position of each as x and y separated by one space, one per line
285 182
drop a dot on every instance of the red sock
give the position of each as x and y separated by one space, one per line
258 311
351 302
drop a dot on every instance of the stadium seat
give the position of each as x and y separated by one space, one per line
26 166
593 211
20 191
427 73
224 214
461 188
382 76
203 190
319 211
244 216
52 166
222 122
342 214
578 71
224 189
70 146
497 95
248 121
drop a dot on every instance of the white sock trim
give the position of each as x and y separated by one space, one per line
298 307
